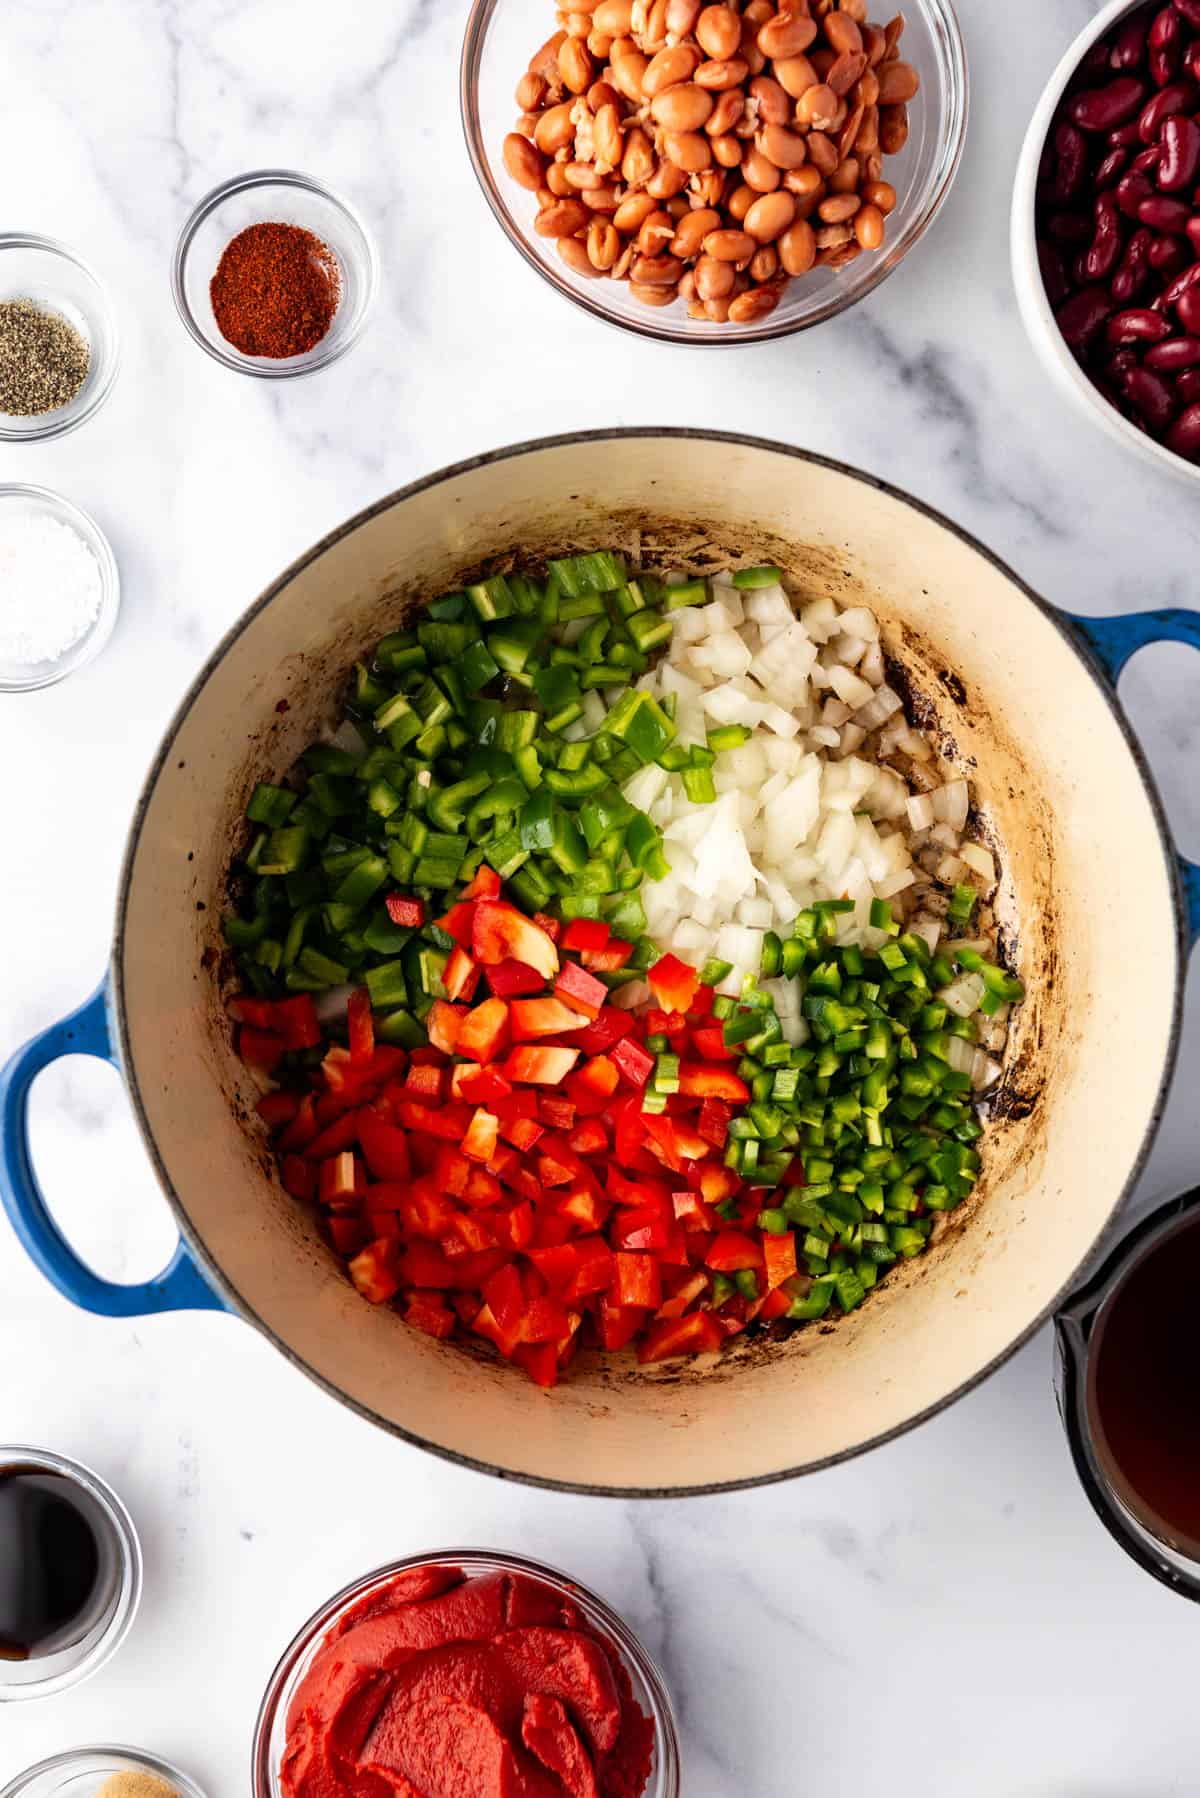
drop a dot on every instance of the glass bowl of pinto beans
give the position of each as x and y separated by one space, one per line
714 173
1106 228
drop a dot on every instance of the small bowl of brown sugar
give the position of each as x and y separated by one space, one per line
104 1772
58 339
274 274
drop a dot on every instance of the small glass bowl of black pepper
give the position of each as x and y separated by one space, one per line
59 351
70 1573
308 274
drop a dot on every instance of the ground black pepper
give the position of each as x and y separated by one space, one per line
43 360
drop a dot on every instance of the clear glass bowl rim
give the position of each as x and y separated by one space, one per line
93 641
317 358
941 17
126 1608
69 1760
54 425
475 1560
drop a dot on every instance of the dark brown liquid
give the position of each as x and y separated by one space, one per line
57 1563
1145 1388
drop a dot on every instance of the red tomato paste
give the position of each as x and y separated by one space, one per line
439 1686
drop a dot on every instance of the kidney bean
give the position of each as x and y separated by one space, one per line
1129 47
1191 60
1190 9
1193 232
1164 41
1083 315
1131 190
1163 214
1174 356
1106 246
1181 283
1069 228
1101 108
1124 137
1187 386
1151 397
1069 162
1120 363
1111 169
1184 435
1137 325
1179 96
1180 160
1135 266
1167 256
1146 161
1187 310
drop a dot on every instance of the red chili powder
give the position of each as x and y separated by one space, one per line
275 291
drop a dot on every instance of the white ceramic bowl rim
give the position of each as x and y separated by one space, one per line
841 298
220 1281
317 357
1039 318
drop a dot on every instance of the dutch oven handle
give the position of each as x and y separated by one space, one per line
180 1287
1112 642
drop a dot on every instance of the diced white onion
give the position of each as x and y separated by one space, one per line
980 859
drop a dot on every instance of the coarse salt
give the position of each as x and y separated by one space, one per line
50 588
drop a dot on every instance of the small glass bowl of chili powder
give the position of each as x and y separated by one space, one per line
274 275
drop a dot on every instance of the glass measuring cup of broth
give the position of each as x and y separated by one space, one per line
1128 1381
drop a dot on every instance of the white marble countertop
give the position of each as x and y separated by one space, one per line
945 1616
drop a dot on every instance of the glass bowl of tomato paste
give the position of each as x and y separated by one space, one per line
467 1672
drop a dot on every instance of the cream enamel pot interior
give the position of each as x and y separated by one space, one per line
1017 697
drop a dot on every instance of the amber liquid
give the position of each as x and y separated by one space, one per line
1144 1389
58 1563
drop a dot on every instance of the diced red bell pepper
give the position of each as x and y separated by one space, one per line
478 1086
544 1320
540 1362
302 1129
459 922
604 1031
373 1271
585 933
643 1193
531 1018
619 1324
299 1177
779 1258
776 1304
486 884
581 989
589 1137
702 1003
294 1020
444 1024
448 1124
696 1334
425 1211
480 1141
673 983
636 1280
585 1208
425 1311
348 1235
484 1031
483 1189
386 1195
636 1229
697 1081
520 1224
260 1048
425 1082
534 1066
510 978
709 1041
713 1122
486 1324
500 931
474 1231
609 960
521 1132
552 926
505 1298
632 1061
716 1182
407 912
360 1026
341 1134
687 1288
452 1170
692 1212
732 1251
277 1108
384 1147
555 1111
460 976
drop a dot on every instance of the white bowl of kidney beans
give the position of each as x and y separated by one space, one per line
1106 227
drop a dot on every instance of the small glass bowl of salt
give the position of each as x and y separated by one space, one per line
59 588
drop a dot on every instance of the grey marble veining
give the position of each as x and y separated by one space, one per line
942 1617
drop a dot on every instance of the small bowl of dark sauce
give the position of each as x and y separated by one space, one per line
1129 1392
70 1573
